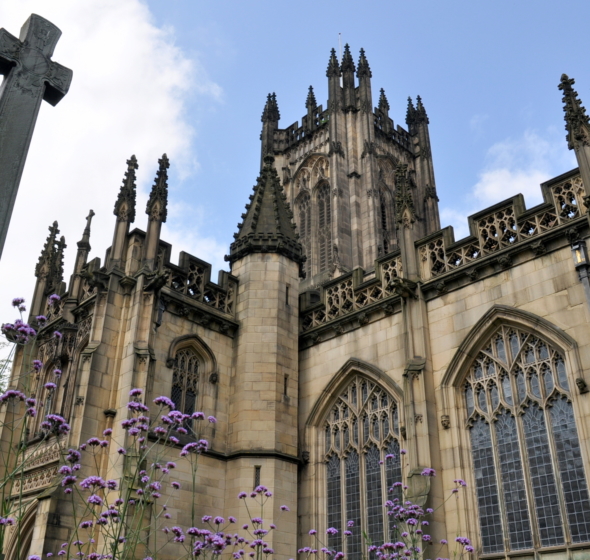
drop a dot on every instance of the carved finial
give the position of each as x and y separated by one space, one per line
333 70
410 113
310 102
577 124
383 103
125 205
421 115
347 62
85 241
271 109
157 206
47 253
363 69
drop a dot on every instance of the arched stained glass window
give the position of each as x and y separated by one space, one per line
185 381
324 227
304 224
361 429
530 481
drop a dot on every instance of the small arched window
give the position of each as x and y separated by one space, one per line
361 429
530 481
304 219
324 228
185 381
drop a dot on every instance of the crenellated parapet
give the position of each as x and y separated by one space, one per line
503 226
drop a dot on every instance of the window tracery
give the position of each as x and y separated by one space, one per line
185 381
530 483
324 227
304 219
361 429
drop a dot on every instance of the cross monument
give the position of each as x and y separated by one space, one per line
29 77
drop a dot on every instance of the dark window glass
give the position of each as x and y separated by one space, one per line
542 477
571 469
513 485
374 496
487 489
353 506
334 503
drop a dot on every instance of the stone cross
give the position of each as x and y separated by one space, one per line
29 76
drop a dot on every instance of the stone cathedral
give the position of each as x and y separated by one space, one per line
350 326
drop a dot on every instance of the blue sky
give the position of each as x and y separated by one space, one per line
487 72
190 78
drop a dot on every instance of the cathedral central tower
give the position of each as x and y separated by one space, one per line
339 172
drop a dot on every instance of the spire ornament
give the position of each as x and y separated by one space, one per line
271 109
267 225
577 124
125 204
410 113
157 206
363 69
43 267
333 70
347 61
383 105
310 102
421 116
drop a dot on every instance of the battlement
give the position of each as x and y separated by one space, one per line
505 224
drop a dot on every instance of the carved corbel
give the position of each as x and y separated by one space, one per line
403 287
539 248
445 421
581 385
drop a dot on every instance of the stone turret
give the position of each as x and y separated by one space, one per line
348 85
426 196
125 212
311 106
266 258
577 126
157 210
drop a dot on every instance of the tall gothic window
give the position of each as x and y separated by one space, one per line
361 429
185 380
304 215
530 481
384 222
324 228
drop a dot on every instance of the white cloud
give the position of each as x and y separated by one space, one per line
513 166
128 95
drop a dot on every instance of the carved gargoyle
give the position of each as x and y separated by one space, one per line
156 281
402 287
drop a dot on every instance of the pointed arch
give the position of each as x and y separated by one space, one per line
193 364
340 380
194 341
303 220
499 315
510 385
323 199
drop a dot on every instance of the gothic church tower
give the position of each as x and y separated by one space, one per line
339 172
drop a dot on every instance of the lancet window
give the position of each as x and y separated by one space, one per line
530 481
185 381
361 429
304 219
384 222
324 227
